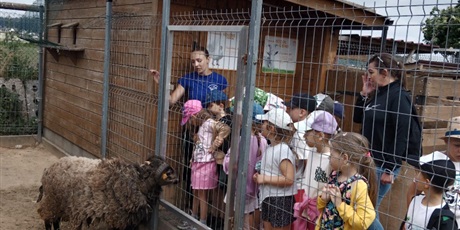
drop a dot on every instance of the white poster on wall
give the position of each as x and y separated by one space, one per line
223 50
280 55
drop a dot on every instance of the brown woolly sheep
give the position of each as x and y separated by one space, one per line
101 194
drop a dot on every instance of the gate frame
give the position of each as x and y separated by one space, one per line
238 116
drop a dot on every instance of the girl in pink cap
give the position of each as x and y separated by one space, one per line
203 164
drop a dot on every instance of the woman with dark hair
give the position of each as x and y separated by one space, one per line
385 111
198 83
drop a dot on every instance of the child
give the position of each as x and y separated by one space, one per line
258 144
215 103
452 140
435 174
347 201
323 126
299 108
277 171
203 164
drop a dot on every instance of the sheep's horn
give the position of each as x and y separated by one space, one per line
160 170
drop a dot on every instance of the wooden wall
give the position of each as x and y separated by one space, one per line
74 80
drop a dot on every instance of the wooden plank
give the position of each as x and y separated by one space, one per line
415 84
434 113
92 112
431 137
75 81
95 97
80 137
442 87
89 74
344 80
74 116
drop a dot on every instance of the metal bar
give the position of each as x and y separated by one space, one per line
253 48
236 127
163 102
40 76
105 95
19 6
236 29
176 211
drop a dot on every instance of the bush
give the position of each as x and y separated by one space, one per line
12 121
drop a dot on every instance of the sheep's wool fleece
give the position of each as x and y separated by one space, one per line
106 192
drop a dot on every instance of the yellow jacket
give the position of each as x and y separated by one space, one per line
359 214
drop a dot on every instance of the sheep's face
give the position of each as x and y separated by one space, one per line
161 171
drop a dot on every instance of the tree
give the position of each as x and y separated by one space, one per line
443 27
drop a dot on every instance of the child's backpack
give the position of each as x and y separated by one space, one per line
442 219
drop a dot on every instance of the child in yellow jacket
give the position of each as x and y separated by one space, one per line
347 201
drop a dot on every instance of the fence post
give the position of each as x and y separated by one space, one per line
163 100
253 48
105 95
40 76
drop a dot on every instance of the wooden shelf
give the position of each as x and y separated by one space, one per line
71 52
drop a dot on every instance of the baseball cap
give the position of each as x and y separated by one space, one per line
322 121
278 117
213 96
303 101
256 110
453 128
441 172
338 110
324 102
191 107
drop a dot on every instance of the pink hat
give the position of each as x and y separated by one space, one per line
191 107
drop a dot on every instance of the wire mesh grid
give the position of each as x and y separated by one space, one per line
301 50
18 72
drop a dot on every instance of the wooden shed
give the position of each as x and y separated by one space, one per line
74 61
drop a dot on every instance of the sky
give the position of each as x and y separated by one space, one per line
408 15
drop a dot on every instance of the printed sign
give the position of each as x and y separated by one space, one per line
223 50
280 55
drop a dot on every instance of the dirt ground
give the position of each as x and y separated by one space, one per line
20 173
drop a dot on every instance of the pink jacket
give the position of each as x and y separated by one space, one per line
251 187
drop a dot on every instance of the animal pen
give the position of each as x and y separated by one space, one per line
99 99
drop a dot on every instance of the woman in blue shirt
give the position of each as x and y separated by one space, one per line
198 83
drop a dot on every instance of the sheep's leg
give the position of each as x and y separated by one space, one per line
47 225
56 224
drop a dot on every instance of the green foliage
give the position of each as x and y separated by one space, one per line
12 120
443 27
19 60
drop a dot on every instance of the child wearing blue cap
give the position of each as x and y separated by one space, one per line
216 102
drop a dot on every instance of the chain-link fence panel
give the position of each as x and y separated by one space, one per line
19 69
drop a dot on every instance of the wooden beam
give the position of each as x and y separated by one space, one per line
352 12
19 6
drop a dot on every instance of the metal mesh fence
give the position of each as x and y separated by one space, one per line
323 51
19 72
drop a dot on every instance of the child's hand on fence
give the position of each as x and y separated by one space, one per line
217 143
325 196
336 195
258 178
156 75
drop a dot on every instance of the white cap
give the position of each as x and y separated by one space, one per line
436 155
278 117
